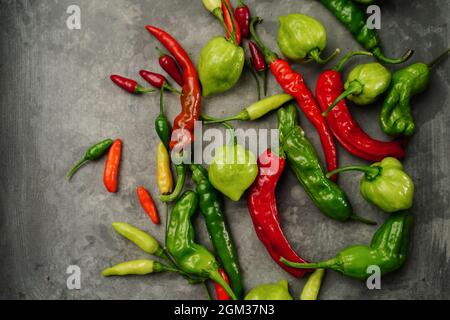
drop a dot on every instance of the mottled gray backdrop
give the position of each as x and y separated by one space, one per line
57 99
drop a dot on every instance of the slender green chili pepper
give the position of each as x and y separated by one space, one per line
191 257
211 207
396 118
303 160
162 124
388 251
181 178
136 267
312 286
93 153
258 109
348 13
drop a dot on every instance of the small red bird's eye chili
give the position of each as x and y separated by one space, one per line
157 80
147 204
262 206
220 292
111 175
170 66
259 62
191 98
294 84
231 23
129 85
243 18
344 127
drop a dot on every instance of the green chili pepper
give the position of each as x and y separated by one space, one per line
162 124
181 178
302 38
275 291
258 109
191 257
388 251
365 1
211 207
349 14
396 117
385 184
364 85
93 153
137 267
312 286
305 163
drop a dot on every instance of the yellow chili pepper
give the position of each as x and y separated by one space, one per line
164 174
312 287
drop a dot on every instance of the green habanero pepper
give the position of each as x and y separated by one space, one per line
304 162
137 268
385 184
388 251
93 153
275 291
191 257
221 63
211 207
364 85
396 118
312 287
302 38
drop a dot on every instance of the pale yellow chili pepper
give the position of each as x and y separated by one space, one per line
164 173
312 286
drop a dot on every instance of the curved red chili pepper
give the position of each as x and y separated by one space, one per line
231 23
112 164
345 128
191 97
220 292
170 66
243 18
262 206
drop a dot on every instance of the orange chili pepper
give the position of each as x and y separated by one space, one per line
147 204
220 292
111 175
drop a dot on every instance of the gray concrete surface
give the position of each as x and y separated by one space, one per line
56 99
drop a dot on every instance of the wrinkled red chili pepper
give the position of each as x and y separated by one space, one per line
157 80
129 85
170 66
221 294
243 18
112 164
191 97
344 127
230 21
294 84
262 206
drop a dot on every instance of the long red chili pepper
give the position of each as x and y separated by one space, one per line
129 85
111 174
243 18
262 206
230 22
220 292
191 97
344 127
294 84
147 204
170 66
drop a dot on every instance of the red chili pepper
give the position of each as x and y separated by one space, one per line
220 292
191 98
111 175
293 84
344 127
243 18
259 62
157 80
262 206
170 66
230 22
147 204
129 85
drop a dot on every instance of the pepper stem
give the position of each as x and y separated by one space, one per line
380 56
208 294
355 88
178 187
439 59
371 172
217 12
269 55
216 276
75 168
241 116
252 71
141 90
161 102
231 14
363 220
168 87
315 55
160 52
320 265
348 56
211 120
265 79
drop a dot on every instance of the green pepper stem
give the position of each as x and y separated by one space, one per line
355 217
178 187
161 102
160 52
355 88
208 294
214 275
217 12
380 56
265 79
75 168
320 265
211 120
169 88
167 224
439 59
348 56
230 13
370 171
242 116
141 90
253 73
269 55
315 55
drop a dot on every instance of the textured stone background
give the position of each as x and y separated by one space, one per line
56 99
